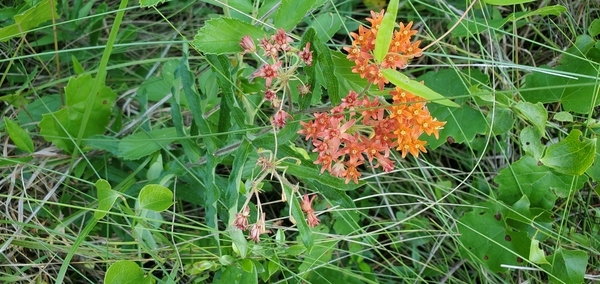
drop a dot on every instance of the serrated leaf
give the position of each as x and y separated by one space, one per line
31 18
19 136
531 143
536 114
106 198
572 156
567 266
541 185
223 35
485 235
155 197
142 144
61 127
418 89
126 272
291 12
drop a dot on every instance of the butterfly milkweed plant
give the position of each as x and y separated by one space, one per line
311 141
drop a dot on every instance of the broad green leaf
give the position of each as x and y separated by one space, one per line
62 126
536 254
385 32
418 89
325 25
464 123
142 144
507 2
42 12
567 266
572 156
148 3
106 198
19 136
156 197
531 142
223 35
541 185
291 12
563 116
594 28
126 272
485 235
576 90
536 114
321 252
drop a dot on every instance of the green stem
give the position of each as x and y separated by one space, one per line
101 76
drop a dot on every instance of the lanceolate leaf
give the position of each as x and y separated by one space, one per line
416 88
223 35
573 155
19 136
385 31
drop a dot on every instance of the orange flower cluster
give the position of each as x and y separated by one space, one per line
363 130
401 50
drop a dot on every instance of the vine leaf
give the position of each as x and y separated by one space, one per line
572 155
541 185
485 236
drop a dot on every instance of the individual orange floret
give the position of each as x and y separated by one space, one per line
375 21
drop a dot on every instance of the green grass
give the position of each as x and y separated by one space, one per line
415 224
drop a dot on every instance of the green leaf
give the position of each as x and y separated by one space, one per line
455 84
573 82
541 185
507 2
305 172
126 272
416 88
563 116
531 142
485 236
43 11
306 233
325 26
291 12
323 58
106 198
148 3
567 266
385 32
572 155
156 197
62 127
536 114
536 254
594 28
223 35
19 136
142 144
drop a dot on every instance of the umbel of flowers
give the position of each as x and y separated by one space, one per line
362 131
